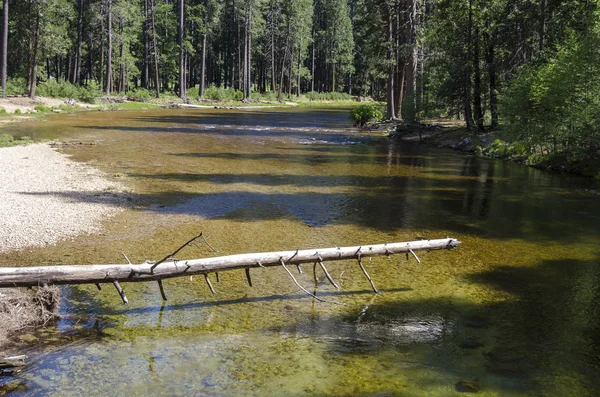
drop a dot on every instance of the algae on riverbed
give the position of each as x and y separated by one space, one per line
513 310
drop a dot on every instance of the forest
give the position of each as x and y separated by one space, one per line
531 67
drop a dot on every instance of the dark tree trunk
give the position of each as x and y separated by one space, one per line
145 67
77 65
4 46
391 109
477 110
109 48
491 66
155 51
542 24
34 57
203 68
181 52
467 96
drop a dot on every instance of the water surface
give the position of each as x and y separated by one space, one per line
513 310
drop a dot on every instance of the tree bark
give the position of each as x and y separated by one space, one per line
4 46
181 52
34 57
77 66
477 109
491 66
97 274
467 96
155 51
109 49
203 68
391 109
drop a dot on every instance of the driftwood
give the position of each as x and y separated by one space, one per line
170 267
11 365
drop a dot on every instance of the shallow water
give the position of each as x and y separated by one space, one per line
514 309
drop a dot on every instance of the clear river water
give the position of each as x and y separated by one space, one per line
513 311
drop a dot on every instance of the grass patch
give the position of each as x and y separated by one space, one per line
8 140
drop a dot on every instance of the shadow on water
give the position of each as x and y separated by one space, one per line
545 330
483 198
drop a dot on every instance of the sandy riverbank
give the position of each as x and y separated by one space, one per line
46 197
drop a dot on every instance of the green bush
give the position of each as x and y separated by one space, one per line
192 92
16 86
2 111
53 88
140 94
6 140
42 108
17 111
223 94
328 96
365 113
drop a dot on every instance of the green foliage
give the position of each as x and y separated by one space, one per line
17 111
328 96
222 94
42 108
16 86
365 113
555 106
140 94
192 92
9 140
63 89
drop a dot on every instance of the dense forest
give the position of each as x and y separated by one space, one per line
530 65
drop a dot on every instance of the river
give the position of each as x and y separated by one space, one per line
512 311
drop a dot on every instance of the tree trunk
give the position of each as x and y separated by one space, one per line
467 96
181 52
477 110
312 83
109 49
145 66
4 47
273 72
77 65
542 24
491 66
97 274
34 57
121 85
203 68
249 50
391 109
299 66
155 51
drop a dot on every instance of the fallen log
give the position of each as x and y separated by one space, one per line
12 365
170 267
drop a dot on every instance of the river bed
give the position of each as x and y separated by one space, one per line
513 311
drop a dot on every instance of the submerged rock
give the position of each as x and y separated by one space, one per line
466 387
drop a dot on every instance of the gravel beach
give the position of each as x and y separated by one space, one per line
45 196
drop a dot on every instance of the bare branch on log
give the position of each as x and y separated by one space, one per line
162 290
248 277
327 274
415 255
120 290
366 274
298 284
209 284
176 251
